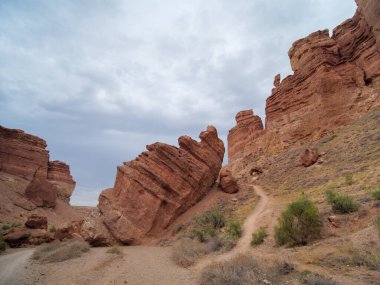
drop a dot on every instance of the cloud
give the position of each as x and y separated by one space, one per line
100 80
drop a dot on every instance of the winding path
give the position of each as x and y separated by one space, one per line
12 267
250 225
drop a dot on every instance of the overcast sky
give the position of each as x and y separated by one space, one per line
99 80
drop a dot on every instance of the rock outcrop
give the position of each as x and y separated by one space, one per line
25 156
227 182
248 128
36 222
151 191
309 157
336 80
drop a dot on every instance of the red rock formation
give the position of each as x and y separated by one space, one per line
309 157
248 127
59 175
336 80
41 192
151 191
36 222
227 182
25 155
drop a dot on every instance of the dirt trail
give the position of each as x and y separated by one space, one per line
250 225
12 267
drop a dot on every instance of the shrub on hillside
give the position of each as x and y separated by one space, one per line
377 223
233 230
348 177
376 194
341 203
309 278
299 224
207 224
60 251
3 244
258 237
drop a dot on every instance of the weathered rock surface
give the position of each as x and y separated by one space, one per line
17 238
227 182
336 80
59 175
25 155
248 128
309 157
36 222
42 193
151 191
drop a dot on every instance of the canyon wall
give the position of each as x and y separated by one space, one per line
151 191
336 80
26 156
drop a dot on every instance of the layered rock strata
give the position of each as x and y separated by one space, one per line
151 191
26 156
336 80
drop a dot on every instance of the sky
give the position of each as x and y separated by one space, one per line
99 80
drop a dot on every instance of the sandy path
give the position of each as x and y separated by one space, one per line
250 225
138 265
12 267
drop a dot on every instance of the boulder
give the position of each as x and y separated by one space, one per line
227 182
36 222
151 191
41 192
17 237
309 157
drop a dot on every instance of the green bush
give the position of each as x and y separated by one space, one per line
6 227
258 238
233 230
341 203
377 223
53 229
376 194
3 244
114 250
299 224
207 224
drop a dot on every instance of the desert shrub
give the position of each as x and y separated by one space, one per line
233 230
258 237
341 203
114 250
53 229
186 252
376 194
239 270
310 278
299 223
3 244
377 223
207 224
348 177
6 227
60 251
178 228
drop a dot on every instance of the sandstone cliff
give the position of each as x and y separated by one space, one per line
151 191
336 80
24 155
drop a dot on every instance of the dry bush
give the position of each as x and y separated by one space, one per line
114 250
316 279
60 251
238 271
187 251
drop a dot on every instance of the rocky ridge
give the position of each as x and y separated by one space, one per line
24 155
151 191
336 80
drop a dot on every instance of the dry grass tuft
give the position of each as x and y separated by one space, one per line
60 251
309 278
114 250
